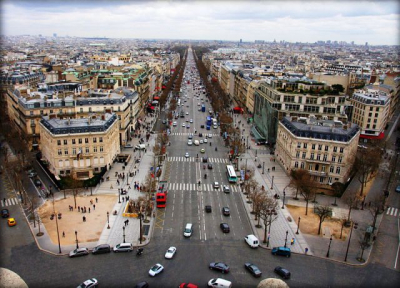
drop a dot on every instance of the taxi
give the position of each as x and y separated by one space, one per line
11 222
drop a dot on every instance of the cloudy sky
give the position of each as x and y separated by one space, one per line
375 22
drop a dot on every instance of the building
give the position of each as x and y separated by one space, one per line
79 147
371 112
325 148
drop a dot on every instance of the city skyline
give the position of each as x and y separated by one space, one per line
375 22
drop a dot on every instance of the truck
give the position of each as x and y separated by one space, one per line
203 108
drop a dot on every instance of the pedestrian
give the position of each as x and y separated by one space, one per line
63 234
84 219
306 250
127 222
96 200
89 209
123 199
4 200
268 170
91 201
94 207
129 187
79 209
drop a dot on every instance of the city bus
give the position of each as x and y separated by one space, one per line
161 199
231 174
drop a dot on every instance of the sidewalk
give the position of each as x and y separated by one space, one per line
316 245
114 235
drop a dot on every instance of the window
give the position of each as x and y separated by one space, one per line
65 142
90 109
337 170
305 145
94 140
325 157
323 168
335 149
303 156
296 164
41 112
87 150
340 158
341 150
330 180
73 141
331 169
302 165
319 157
59 152
299 145
312 156
297 154
81 110
31 113
86 140
313 146
58 142
95 149
310 167
333 158
321 179
73 151
101 148
320 147
65 151
100 139
326 148
80 140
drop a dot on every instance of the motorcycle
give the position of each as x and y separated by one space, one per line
139 251
216 149
205 176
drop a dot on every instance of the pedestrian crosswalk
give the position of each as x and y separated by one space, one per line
392 211
197 187
9 202
187 134
193 159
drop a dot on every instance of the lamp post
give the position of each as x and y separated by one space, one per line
286 237
108 220
353 225
58 233
263 167
76 239
298 226
140 231
119 195
284 195
272 183
329 247
123 232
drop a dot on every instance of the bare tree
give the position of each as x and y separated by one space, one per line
366 163
342 221
323 212
307 186
376 206
296 180
338 189
363 245
351 201
267 213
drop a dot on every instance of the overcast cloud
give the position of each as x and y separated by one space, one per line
375 22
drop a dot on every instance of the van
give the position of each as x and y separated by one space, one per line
102 248
123 247
252 241
140 147
188 230
196 142
219 282
282 251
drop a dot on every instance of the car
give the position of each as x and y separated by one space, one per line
190 136
188 285
226 211
224 227
201 141
284 273
187 155
11 222
79 252
253 269
38 183
200 134
143 284
398 189
5 213
226 189
101 249
187 113
32 173
183 124
205 160
208 208
170 252
219 266
156 269
140 147
198 104
202 150
190 142
210 135
209 166
89 283
188 126
187 120
261 142
202 126
281 251
164 121
199 109
216 185
191 120
123 247
127 146
205 140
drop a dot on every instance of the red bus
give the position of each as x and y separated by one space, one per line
161 199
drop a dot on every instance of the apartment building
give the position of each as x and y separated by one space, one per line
79 147
371 112
325 148
277 97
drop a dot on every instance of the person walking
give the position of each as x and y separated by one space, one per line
63 234
96 200
94 206
89 209
84 219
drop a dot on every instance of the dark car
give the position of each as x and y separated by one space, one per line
219 266
226 211
281 251
38 183
209 166
143 284
398 189
208 208
5 213
202 126
224 227
200 134
101 249
205 159
253 269
282 272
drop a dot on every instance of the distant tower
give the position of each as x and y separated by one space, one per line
240 40
55 35
366 43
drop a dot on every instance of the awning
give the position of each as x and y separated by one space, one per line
156 98
237 108
379 137
257 134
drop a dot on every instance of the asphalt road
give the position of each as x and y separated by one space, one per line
208 244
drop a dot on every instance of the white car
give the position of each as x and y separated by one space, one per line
210 135
191 121
201 141
89 283
187 155
183 124
198 104
205 140
190 142
170 252
187 113
174 124
156 269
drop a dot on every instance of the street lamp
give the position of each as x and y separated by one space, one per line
108 220
353 225
286 237
272 183
263 167
58 233
284 195
76 239
123 233
298 226
329 247
119 195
